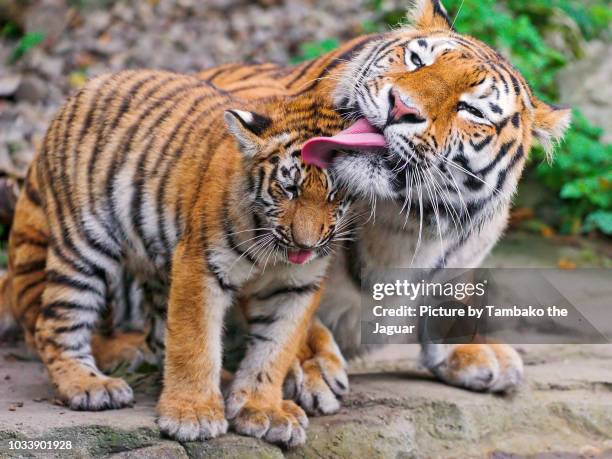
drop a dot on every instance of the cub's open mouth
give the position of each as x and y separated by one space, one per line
361 135
299 257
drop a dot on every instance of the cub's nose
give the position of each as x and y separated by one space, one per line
399 112
303 239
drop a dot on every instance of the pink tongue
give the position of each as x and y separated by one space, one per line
359 136
299 257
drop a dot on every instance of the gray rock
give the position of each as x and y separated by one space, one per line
9 84
31 89
586 85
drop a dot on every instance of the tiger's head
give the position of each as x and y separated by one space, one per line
455 118
298 208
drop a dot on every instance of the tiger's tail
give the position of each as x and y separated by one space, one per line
8 325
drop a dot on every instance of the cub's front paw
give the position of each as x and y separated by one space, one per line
282 424
189 417
318 385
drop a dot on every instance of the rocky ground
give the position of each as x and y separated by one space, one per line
395 409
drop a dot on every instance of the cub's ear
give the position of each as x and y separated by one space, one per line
429 14
247 127
550 124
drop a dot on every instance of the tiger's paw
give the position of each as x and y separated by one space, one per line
94 392
318 385
482 367
282 424
126 348
189 418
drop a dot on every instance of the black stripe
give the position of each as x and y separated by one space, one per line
483 143
342 58
503 151
219 276
222 70
305 68
24 290
262 320
30 267
288 290
438 10
228 230
20 238
257 337
75 327
31 193
56 278
50 310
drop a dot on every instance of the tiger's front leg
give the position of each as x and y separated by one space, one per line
191 405
255 404
483 367
317 379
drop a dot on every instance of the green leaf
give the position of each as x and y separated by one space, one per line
26 43
601 220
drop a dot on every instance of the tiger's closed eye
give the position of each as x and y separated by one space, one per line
416 60
470 109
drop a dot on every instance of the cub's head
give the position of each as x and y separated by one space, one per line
297 207
458 120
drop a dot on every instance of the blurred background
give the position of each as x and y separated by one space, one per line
563 213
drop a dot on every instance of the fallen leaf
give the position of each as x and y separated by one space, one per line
565 263
547 231
77 79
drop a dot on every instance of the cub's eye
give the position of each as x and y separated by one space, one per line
470 109
416 60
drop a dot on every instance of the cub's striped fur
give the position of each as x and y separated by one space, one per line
140 171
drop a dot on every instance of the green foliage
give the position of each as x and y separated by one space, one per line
581 174
10 30
26 43
313 49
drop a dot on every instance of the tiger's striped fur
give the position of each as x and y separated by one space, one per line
140 171
444 190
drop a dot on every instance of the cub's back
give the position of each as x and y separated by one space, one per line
121 157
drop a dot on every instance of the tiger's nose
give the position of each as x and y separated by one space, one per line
399 112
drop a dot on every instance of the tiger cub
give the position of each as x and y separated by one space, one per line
161 174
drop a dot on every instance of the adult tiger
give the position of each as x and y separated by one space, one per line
460 121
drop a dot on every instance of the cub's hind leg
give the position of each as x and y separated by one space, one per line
119 348
317 379
27 258
74 296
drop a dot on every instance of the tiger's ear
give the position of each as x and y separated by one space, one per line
550 124
247 127
429 14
